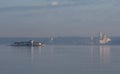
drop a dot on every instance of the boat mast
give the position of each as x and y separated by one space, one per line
100 35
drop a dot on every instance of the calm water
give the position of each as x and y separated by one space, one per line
60 60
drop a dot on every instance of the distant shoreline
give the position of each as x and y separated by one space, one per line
61 40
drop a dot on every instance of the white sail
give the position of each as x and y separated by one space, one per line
103 38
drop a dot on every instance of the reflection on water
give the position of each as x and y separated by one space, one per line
92 55
38 53
96 54
60 60
104 52
28 52
34 51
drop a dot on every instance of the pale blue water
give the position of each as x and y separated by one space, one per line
60 59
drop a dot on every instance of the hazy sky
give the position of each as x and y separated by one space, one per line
45 18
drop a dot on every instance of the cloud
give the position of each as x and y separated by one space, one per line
66 17
59 4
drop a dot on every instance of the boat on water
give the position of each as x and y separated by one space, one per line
103 38
28 43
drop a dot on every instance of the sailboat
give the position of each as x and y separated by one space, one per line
103 38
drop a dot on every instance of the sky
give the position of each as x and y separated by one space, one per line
45 18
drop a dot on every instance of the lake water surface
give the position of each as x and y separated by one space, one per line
60 59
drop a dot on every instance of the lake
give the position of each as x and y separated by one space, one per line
60 59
